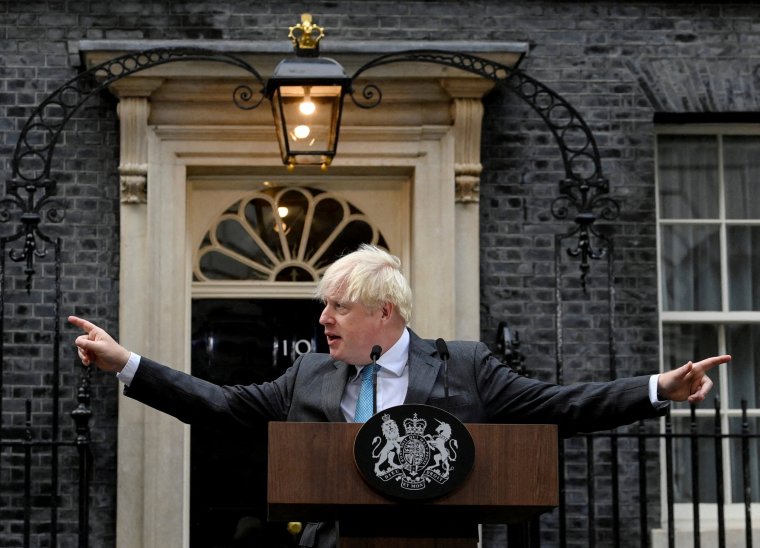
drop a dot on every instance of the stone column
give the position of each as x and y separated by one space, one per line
133 111
467 113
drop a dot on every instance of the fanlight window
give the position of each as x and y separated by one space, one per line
282 235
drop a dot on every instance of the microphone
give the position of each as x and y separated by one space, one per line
443 352
376 351
374 355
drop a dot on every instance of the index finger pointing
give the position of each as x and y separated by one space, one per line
82 323
709 363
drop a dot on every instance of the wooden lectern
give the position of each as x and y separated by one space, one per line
313 477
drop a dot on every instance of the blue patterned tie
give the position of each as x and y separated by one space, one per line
366 400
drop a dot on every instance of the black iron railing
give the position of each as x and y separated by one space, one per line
604 487
31 481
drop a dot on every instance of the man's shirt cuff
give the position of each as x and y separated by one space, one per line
128 373
657 403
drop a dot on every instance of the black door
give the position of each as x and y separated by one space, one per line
241 342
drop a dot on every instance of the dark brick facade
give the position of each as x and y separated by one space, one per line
617 63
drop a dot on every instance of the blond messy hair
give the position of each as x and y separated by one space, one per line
369 276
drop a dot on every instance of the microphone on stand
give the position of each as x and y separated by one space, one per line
374 355
443 353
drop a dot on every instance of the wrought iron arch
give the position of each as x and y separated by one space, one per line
34 150
584 189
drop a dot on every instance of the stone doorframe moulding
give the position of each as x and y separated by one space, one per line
179 117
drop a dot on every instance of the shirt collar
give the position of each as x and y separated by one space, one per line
395 358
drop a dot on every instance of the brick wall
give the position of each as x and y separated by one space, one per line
617 63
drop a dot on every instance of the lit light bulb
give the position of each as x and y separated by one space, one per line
301 132
282 211
307 107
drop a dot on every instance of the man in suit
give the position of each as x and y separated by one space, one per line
368 302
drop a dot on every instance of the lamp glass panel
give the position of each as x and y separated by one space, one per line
279 125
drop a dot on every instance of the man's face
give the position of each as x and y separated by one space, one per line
351 330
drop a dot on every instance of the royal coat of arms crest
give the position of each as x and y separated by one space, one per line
432 455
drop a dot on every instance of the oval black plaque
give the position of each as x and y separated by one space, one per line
414 452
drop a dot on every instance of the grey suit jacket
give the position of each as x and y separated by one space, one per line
481 389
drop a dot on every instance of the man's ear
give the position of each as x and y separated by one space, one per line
387 311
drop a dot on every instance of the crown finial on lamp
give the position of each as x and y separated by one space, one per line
306 36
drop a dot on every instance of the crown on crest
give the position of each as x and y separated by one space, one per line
415 425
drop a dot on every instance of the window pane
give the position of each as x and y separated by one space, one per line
260 216
741 165
688 176
690 257
292 208
744 267
745 460
684 342
694 454
218 266
743 343
233 236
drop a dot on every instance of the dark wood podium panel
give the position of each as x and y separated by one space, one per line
313 477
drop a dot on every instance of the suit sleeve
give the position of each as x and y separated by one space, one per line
582 407
196 401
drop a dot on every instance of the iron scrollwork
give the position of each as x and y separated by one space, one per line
578 197
31 188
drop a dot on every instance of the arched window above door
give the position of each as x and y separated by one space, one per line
281 234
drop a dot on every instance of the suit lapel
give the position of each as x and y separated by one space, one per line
423 370
332 391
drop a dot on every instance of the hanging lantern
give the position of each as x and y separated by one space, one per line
306 92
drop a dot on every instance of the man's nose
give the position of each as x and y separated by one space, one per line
325 317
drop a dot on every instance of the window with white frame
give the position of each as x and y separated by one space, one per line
708 211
